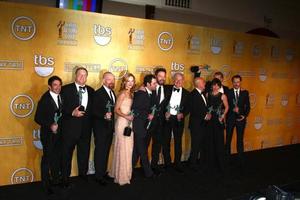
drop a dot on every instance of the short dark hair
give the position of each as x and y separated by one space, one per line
236 76
54 78
218 73
81 68
159 69
216 81
148 79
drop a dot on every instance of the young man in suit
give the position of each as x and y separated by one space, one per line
48 115
177 104
223 89
103 125
198 124
143 118
239 108
77 124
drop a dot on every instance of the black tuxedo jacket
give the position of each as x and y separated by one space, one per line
73 125
100 100
184 99
243 104
45 112
197 109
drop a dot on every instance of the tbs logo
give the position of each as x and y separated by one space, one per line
102 35
43 66
176 67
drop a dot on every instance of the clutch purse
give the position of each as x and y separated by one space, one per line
127 131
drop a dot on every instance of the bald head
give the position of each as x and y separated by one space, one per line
199 83
109 80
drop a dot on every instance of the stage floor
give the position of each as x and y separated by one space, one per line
277 166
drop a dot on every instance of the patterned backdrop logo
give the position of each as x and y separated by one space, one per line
118 67
252 97
226 70
36 135
67 33
140 69
193 44
22 175
11 64
23 28
216 45
102 35
258 122
91 67
275 51
165 41
284 100
21 105
238 48
136 39
289 54
43 65
270 100
11 141
262 74
256 50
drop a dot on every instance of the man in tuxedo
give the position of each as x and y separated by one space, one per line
176 111
77 124
223 89
48 115
103 125
144 115
156 132
239 108
198 124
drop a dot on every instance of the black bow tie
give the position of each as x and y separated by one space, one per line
82 87
176 89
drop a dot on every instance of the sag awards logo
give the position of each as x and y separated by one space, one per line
22 175
23 28
102 35
284 100
262 75
136 39
11 141
270 100
193 44
118 67
216 45
256 50
36 135
21 105
177 68
43 65
275 52
289 54
258 122
67 33
11 64
226 70
165 41
252 97
91 169
238 48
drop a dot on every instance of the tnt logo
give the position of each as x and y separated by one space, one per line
21 105
23 28
22 175
165 41
43 66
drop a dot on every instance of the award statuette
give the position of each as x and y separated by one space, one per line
127 130
109 107
153 110
178 110
168 110
235 103
57 116
219 112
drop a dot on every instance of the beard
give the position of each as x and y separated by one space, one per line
111 86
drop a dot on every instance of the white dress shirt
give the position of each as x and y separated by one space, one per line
221 89
175 101
108 92
200 92
85 96
54 97
162 94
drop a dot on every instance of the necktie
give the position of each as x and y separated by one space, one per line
159 94
111 97
176 89
236 96
59 102
80 92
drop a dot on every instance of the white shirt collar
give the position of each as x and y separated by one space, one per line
107 89
77 85
53 94
238 90
199 90
148 91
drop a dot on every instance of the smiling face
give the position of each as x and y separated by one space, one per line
109 81
55 86
236 82
81 77
161 78
130 82
178 80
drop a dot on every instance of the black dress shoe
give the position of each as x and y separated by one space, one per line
101 181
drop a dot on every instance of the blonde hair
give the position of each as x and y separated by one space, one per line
125 80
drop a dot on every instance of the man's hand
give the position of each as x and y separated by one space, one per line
150 117
207 117
54 127
108 115
167 115
236 109
77 113
179 116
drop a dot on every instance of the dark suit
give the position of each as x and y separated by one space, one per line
142 108
244 109
175 126
198 127
156 131
76 130
51 159
103 130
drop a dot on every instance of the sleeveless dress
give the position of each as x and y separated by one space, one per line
122 156
216 132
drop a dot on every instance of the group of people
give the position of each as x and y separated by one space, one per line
69 114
